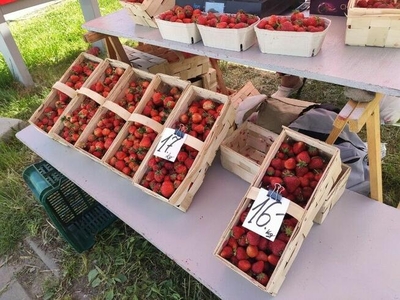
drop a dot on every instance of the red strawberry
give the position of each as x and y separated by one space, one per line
237 231
277 164
262 278
285 148
304 181
299 147
291 183
290 163
252 251
275 181
262 256
253 238
316 162
241 253
258 267
167 189
303 157
273 259
244 265
283 237
277 247
233 243
312 151
263 244
226 252
270 171
243 215
307 192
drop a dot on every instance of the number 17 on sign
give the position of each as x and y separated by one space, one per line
266 214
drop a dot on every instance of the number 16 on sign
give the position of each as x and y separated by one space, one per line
266 214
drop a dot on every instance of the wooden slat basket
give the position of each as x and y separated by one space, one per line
243 151
379 27
206 150
304 214
144 13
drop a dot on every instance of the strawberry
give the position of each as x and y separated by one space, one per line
285 148
301 170
290 163
307 192
277 247
304 181
237 231
253 238
232 243
167 189
276 181
303 157
241 253
283 237
273 259
263 243
243 215
270 171
262 256
242 241
316 162
244 265
252 251
313 151
299 147
262 278
257 267
226 252
291 183
277 164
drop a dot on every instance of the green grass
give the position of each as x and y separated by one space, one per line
122 264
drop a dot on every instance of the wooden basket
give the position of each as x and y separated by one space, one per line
243 151
334 195
62 92
378 27
145 61
207 81
143 13
83 143
74 106
181 64
305 216
247 90
183 195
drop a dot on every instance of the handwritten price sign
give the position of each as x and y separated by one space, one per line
170 144
266 214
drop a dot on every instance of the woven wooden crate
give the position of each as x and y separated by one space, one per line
207 81
82 142
74 106
334 195
136 78
145 61
180 64
183 195
305 216
118 145
247 90
378 27
62 93
243 151
144 13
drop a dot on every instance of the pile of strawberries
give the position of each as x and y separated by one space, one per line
133 149
296 22
162 102
163 176
239 20
378 4
179 14
75 122
133 94
297 167
104 85
254 254
107 128
78 75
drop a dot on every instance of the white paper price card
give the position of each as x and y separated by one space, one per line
266 214
170 144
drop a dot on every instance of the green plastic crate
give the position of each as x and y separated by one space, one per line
77 216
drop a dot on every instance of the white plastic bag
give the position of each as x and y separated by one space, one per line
389 109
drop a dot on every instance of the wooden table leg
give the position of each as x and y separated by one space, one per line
220 79
374 155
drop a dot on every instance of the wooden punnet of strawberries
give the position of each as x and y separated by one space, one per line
297 168
164 177
133 93
79 73
378 4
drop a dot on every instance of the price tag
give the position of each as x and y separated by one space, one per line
170 144
266 214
